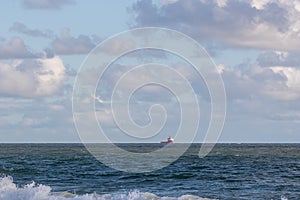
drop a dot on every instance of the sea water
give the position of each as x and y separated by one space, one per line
230 171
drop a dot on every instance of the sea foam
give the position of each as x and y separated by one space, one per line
10 191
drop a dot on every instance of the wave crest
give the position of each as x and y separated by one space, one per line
10 191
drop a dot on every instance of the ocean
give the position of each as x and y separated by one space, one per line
230 171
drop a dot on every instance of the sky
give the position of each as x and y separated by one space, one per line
255 45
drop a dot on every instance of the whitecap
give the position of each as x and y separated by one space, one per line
10 191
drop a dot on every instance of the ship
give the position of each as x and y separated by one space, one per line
169 141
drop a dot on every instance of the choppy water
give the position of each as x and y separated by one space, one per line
230 171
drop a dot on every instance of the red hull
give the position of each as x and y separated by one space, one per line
165 142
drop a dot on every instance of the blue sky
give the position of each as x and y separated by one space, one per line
254 44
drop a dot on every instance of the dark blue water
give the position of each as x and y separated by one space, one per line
230 171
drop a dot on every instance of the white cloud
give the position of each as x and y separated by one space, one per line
50 76
32 77
297 5
278 58
269 83
256 24
22 28
292 75
219 3
67 44
260 4
15 48
36 120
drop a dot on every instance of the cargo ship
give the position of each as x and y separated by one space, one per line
169 141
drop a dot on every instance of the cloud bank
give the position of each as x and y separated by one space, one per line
270 24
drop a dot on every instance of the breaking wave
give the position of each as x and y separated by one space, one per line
10 191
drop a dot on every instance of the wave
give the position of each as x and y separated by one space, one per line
10 191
